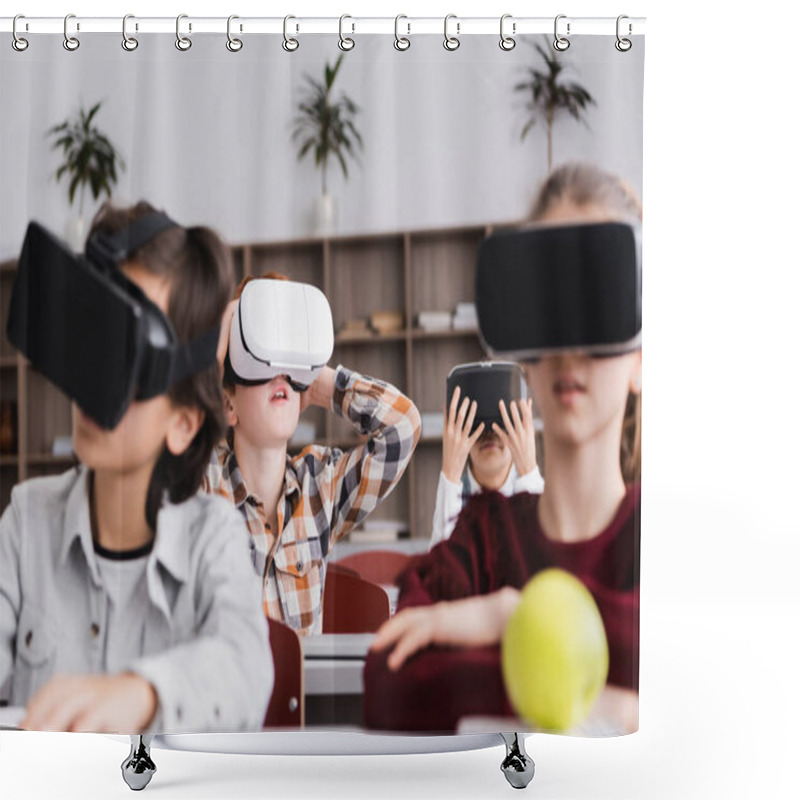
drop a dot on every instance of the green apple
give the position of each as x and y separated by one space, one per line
554 651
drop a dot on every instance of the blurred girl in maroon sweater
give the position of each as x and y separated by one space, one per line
438 659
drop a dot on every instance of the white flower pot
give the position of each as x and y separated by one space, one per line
75 233
324 215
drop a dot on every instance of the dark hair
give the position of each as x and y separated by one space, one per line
198 267
584 185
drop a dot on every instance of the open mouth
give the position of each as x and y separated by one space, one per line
280 394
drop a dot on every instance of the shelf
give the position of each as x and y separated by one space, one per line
370 338
397 336
9 460
377 235
447 333
8 362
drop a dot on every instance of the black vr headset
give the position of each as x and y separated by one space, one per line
541 290
487 382
92 331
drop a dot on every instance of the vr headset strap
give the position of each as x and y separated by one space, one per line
114 250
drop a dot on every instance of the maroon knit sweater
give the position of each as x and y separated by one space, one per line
498 542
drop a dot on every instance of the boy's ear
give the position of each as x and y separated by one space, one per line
230 408
185 423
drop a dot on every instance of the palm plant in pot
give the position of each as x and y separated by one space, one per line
89 160
550 97
325 126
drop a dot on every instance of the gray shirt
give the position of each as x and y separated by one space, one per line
125 583
204 643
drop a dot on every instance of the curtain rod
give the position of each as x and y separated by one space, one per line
349 25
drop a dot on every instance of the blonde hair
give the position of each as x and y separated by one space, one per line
585 184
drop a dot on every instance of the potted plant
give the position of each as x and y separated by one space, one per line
550 97
89 160
326 127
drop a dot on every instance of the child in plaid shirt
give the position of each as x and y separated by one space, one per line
297 507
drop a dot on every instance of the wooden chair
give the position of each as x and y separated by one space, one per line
378 566
337 566
352 605
286 706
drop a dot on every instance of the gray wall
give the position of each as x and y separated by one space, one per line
206 133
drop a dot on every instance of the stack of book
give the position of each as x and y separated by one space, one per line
466 317
435 320
383 322
354 329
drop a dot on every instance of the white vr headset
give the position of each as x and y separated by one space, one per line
279 328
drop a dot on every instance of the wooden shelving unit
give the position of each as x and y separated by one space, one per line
408 271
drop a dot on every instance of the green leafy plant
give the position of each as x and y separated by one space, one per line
549 97
326 126
89 157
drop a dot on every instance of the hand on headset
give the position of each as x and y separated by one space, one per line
519 435
320 393
457 442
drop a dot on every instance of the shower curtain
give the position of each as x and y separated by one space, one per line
372 167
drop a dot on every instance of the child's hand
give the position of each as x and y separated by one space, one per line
225 333
410 631
92 703
320 393
456 441
471 622
519 435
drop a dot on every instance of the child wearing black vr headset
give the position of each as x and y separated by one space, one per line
276 340
455 601
127 600
488 443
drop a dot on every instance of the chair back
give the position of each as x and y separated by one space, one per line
352 605
378 566
286 706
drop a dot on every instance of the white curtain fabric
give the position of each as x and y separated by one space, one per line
207 133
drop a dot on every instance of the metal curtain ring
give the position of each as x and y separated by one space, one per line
507 42
70 42
183 43
289 44
346 42
401 42
233 44
451 42
17 42
561 43
623 45
129 43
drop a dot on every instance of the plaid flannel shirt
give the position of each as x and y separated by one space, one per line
326 493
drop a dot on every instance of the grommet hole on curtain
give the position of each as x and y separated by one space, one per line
18 42
71 43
